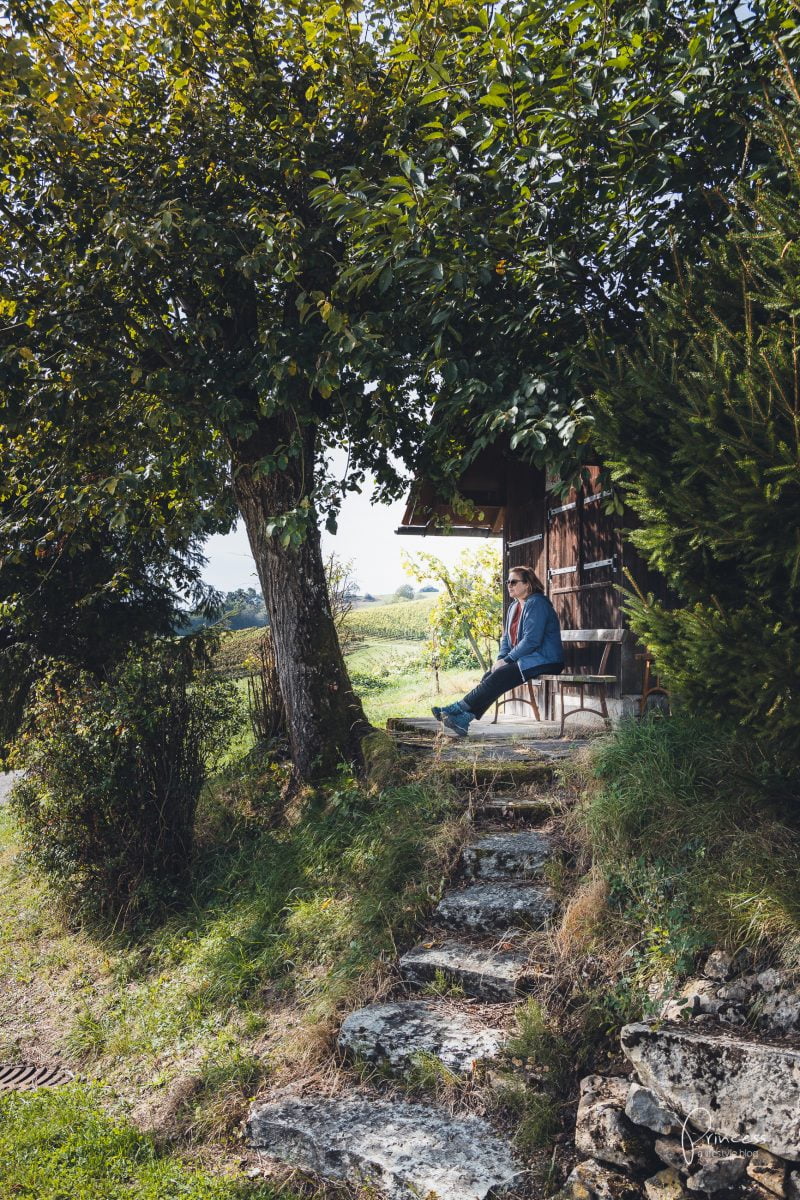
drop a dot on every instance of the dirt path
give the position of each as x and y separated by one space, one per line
6 781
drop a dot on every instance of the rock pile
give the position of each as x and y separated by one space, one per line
712 1105
767 1000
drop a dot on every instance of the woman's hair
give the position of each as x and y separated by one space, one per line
530 577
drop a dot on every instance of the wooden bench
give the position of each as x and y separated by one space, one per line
512 698
651 684
585 637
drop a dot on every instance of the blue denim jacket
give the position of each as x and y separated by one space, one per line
539 635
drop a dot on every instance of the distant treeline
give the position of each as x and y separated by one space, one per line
242 609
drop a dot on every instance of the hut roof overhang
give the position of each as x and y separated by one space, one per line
482 482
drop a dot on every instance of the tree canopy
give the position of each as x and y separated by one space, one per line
561 155
171 343
235 236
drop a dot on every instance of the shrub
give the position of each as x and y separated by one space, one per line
113 772
470 609
459 655
393 668
365 682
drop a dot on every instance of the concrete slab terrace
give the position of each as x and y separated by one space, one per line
506 740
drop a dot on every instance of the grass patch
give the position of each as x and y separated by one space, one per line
540 1067
536 1115
429 1076
388 673
695 833
286 927
443 985
60 1143
392 679
534 1042
383 657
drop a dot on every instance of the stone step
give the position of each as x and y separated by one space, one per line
734 1087
495 907
514 808
482 971
402 1151
504 776
394 1033
508 855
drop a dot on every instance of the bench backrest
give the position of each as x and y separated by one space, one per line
605 637
593 635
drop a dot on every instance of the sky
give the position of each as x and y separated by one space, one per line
366 536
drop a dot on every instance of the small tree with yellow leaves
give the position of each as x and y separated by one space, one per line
470 607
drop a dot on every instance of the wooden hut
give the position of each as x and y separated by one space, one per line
576 546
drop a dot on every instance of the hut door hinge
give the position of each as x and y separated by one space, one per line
602 562
536 537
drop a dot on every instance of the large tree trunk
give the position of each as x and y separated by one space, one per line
325 718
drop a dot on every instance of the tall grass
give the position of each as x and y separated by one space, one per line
292 917
698 835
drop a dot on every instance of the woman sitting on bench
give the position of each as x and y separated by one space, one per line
530 647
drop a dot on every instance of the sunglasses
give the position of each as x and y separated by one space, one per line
511 582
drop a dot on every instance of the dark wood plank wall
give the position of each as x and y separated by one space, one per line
579 552
525 519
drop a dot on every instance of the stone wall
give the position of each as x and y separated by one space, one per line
711 1104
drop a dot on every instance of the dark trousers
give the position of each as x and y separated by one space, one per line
495 683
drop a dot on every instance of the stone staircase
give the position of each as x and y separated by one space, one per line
470 967
707 1105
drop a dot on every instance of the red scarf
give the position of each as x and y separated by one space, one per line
513 630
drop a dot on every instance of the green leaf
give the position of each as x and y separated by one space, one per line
492 101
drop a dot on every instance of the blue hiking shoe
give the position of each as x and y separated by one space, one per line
458 723
449 710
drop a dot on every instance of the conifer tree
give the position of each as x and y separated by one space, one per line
701 423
